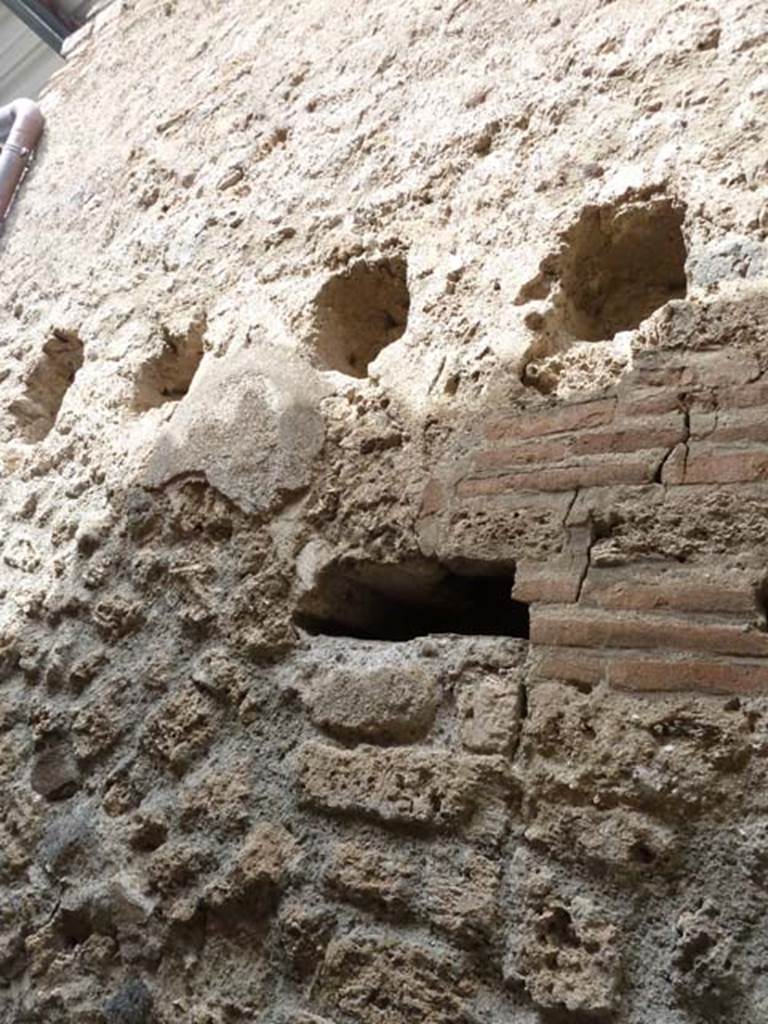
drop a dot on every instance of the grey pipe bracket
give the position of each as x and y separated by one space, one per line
23 151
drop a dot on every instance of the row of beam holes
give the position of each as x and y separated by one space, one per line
357 314
165 378
614 274
618 266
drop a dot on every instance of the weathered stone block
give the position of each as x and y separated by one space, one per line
395 702
433 789
250 424
182 727
569 958
489 713
674 755
456 895
259 871
369 876
383 981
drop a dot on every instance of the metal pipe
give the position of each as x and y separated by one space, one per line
46 24
21 125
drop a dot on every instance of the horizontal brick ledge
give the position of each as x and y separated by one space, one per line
693 675
570 665
533 451
568 626
634 588
632 436
640 672
626 436
552 420
709 464
550 582
743 396
599 471
649 401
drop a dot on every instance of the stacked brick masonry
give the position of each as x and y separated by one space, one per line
612 598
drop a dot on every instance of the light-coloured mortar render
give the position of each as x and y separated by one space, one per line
384 504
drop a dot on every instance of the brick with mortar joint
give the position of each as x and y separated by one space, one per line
548 583
648 401
630 436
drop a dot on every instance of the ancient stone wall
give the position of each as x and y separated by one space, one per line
383 552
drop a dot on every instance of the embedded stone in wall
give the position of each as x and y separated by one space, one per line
260 869
490 715
433 789
181 728
457 894
704 971
396 703
568 958
409 981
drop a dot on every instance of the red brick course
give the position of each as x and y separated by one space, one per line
576 626
553 420
634 672
717 465
635 588
605 471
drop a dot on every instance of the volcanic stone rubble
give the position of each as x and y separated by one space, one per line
384 522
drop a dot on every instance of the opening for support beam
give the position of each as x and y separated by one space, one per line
403 601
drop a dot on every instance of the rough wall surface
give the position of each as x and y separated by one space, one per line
325 329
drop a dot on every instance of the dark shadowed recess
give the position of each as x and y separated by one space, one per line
371 601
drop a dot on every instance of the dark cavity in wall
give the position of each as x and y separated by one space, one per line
167 377
36 411
397 602
359 312
620 264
